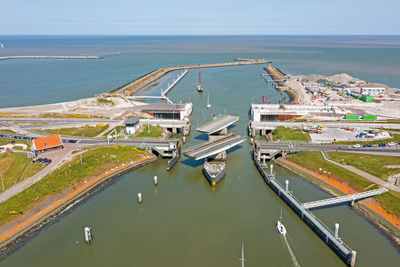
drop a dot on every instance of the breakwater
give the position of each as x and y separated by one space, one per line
134 86
50 57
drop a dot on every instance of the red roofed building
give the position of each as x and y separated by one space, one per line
46 143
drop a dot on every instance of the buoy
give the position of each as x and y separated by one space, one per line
213 183
139 197
155 180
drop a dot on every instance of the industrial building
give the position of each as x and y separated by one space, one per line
372 90
166 111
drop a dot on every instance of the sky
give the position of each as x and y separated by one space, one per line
202 17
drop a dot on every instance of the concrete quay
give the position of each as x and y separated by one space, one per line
50 57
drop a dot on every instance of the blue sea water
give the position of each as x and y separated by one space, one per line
125 58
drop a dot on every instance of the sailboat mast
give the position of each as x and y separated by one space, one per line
199 77
242 259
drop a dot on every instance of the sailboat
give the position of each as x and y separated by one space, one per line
242 259
199 86
1 45
280 227
208 101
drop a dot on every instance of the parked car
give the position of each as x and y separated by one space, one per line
357 145
392 144
367 145
382 145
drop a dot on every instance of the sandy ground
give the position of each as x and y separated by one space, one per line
20 224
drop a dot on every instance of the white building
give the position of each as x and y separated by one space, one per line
372 90
132 125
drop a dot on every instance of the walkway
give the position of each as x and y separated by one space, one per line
58 158
364 174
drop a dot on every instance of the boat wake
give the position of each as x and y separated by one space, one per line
292 256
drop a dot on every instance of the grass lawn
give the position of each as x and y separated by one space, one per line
87 131
288 134
5 141
7 131
120 129
372 164
395 138
95 161
15 167
155 132
313 160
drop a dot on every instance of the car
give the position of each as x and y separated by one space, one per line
367 145
382 145
392 144
357 145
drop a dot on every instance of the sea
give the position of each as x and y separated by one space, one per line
183 221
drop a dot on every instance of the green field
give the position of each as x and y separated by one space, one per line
5 141
313 161
120 130
154 132
95 161
16 167
282 134
372 164
87 131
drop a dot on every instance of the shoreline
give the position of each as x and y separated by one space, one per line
146 79
15 236
369 209
50 57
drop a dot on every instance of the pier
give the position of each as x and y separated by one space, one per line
331 239
174 82
50 57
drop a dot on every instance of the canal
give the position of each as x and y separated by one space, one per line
185 222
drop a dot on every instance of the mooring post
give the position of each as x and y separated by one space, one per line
352 203
271 170
263 160
287 185
336 230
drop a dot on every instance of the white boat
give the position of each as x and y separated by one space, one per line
1 45
88 234
208 101
281 228
199 86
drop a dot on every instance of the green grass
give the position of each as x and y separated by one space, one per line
390 202
95 162
87 131
120 129
8 131
16 167
155 132
105 101
5 141
288 134
373 164
313 160
395 138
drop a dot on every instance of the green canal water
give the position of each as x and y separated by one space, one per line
185 222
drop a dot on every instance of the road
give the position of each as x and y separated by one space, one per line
364 174
390 150
274 124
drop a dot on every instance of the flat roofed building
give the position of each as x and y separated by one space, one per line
132 125
166 110
373 89
40 145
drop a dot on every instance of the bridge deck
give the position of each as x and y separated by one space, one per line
217 124
341 199
210 148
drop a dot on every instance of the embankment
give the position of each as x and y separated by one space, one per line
134 86
50 57
279 78
386 222
21 231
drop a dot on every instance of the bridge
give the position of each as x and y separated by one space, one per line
218 124
213 147
342 199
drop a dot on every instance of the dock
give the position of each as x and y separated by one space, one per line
331 239
174 82
50 57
